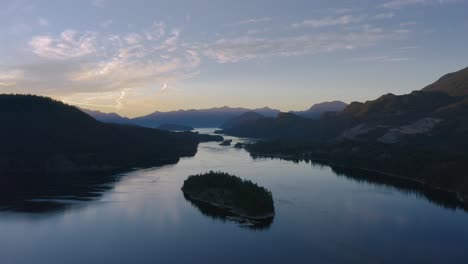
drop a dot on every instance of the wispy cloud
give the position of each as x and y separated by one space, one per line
397 4
101 69
381 59
386 15
70 44
106 23
246 48
252 21
98 3
112 100
164 87
10 77
42 22
328 21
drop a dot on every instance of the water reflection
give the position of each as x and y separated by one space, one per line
439 197
36 193
226 216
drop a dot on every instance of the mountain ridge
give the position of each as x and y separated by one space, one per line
454 84
210 117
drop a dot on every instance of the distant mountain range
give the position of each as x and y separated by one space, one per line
212 117
107 117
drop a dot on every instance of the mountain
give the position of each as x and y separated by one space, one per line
213 117
265 111
455 84
43 136
421 136
432 119
317 110
244 118
107 117
175 127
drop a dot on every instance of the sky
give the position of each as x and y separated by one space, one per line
135 57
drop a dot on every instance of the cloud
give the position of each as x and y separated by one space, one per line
252 21
328 21
384 58
10 77
98 3
383 16
112 100
246 47
70 44
106 23
42 22
398 4
103 69
408 24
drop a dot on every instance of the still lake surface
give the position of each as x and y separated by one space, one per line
321 217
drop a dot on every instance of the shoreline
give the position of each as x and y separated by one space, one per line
460 197
230 209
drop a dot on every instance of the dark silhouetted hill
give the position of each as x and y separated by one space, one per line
42 135
244 118
317 110
455 84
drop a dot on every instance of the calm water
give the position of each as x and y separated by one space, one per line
321 217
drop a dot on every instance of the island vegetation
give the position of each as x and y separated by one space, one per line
226 142
209 138
240 197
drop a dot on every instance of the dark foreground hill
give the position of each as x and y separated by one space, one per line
40 135
317 110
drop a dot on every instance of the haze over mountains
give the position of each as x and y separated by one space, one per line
212 117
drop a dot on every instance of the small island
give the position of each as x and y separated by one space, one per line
226 142
242 198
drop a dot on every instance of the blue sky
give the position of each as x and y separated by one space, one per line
135 57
